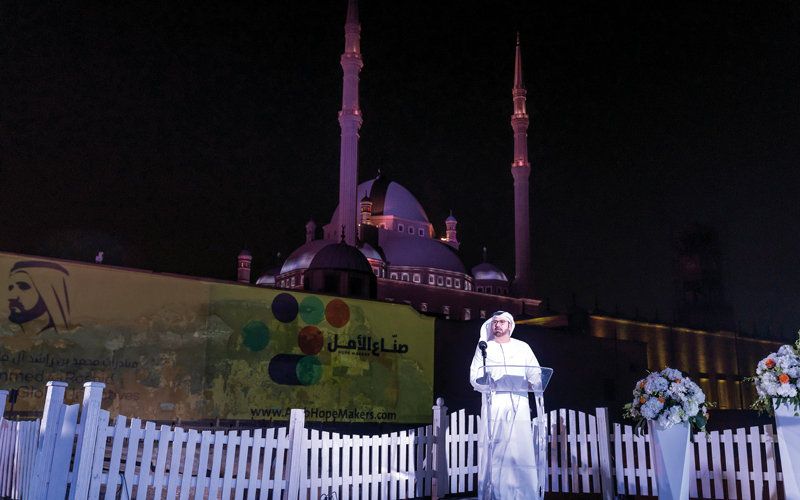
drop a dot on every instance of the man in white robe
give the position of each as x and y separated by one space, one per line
506 458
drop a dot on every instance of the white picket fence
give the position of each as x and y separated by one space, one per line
61 457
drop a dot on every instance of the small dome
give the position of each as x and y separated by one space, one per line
301 258
370 252
266 279
451 218
244 254
486 271
401 250
340 256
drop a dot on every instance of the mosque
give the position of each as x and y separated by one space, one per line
381 244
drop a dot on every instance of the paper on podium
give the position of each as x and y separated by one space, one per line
513 378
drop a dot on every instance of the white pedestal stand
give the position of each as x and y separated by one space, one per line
670 451
788 430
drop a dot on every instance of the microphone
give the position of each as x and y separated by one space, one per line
482 346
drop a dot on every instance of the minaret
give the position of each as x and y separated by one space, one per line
521 170
311 230
243 269
450 225
350 123
366 211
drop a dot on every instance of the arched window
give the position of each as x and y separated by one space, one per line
431 279
449 281
400 227
421 232
404 277
439 280
393 276
416 278
458 283
410 229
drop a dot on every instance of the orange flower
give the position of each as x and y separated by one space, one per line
677 381
706 415
770 363
784 379
660 400
643 400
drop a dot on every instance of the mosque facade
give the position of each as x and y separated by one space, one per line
393 235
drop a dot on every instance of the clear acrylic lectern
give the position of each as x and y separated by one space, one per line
507 380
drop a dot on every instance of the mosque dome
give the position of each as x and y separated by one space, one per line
304 255
340 256
401 250
301 258
389 198
267 279
370 252
486 271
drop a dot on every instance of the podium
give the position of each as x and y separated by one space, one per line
507 383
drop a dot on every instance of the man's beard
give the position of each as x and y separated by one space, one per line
19 315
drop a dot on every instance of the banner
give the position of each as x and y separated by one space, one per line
171 347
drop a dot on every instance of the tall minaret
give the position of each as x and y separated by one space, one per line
521 170
350 122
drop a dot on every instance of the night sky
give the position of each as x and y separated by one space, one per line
172 136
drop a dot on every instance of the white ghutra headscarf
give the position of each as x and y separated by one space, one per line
486 329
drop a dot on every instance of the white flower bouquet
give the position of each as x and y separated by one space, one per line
778 378
668 398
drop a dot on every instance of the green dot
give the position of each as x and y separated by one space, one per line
309 370
311 310
255 335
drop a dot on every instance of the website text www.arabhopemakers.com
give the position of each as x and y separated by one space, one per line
325 414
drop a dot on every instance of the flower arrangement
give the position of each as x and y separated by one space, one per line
668 398
778 378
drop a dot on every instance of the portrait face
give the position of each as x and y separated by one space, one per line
24 302
500 326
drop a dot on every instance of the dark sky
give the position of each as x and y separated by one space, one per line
171 136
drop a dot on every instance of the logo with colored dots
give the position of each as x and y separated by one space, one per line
297 369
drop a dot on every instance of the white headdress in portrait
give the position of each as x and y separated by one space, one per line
486 329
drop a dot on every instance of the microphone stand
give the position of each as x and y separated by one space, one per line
488 493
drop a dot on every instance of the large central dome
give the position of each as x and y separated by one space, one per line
389 198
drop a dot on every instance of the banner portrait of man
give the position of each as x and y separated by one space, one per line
38 297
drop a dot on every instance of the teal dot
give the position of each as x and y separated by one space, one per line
309 370
311 310
255 335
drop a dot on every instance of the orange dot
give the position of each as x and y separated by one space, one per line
310 340
337 313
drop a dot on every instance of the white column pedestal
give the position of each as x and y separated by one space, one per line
788 430
670 450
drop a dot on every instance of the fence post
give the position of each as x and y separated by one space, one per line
49 430
297 434
441 482
604 452
90 420
3 398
